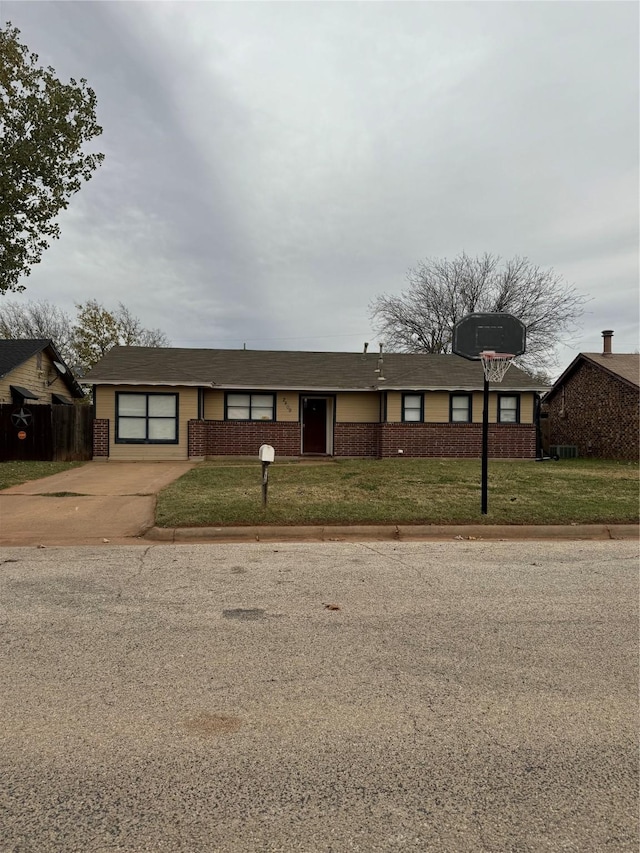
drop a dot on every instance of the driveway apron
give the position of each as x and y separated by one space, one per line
99 501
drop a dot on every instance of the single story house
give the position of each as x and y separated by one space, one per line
594 406
33 372
166 403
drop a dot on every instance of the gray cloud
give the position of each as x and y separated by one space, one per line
271 167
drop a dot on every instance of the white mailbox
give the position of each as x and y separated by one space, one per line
266 453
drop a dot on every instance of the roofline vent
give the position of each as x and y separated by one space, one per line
607 335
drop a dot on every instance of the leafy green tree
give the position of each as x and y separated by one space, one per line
44 124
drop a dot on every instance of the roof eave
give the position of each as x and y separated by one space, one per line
582 357
88 380
316 389
607 369
45 343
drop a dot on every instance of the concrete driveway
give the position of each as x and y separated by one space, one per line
83 506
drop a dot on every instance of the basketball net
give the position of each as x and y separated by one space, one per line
495 364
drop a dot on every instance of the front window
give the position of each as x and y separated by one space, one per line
250 407
412 407
460 408
509 408
147 418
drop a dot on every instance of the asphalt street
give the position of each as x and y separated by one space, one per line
435 696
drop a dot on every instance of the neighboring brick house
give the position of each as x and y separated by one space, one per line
594 405
154 403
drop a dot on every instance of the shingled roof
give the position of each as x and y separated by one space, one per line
13 353
288 370
624 366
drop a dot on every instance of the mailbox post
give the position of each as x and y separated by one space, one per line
266 455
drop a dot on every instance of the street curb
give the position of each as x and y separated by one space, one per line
393 532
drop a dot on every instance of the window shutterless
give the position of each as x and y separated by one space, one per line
412 408
146 418
508 408
460 408
250 407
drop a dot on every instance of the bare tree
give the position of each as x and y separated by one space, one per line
442 291
132 333
83 341
37 320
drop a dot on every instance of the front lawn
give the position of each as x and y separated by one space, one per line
403 491
15 473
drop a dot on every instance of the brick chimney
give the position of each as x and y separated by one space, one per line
606 341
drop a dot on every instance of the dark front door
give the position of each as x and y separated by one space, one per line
314 425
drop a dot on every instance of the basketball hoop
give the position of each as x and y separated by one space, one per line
495 364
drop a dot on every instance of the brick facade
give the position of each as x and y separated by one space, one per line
365 440
100 438
597 412
238 438
506 441
357 440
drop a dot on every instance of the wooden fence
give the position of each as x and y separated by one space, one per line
45 433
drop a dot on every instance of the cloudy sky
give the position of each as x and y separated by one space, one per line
271 167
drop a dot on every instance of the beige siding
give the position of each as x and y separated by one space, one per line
187 410
436 407
34 375
394 407
477 405
214 405
287 406
357 407
526 408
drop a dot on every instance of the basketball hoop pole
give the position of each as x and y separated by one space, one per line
494 338
485 449
494 365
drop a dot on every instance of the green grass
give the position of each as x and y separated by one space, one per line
15 473
403 492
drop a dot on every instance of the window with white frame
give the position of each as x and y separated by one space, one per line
509 408
146 418
460 408
250 407
412 408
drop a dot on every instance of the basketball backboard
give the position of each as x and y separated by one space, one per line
476 333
